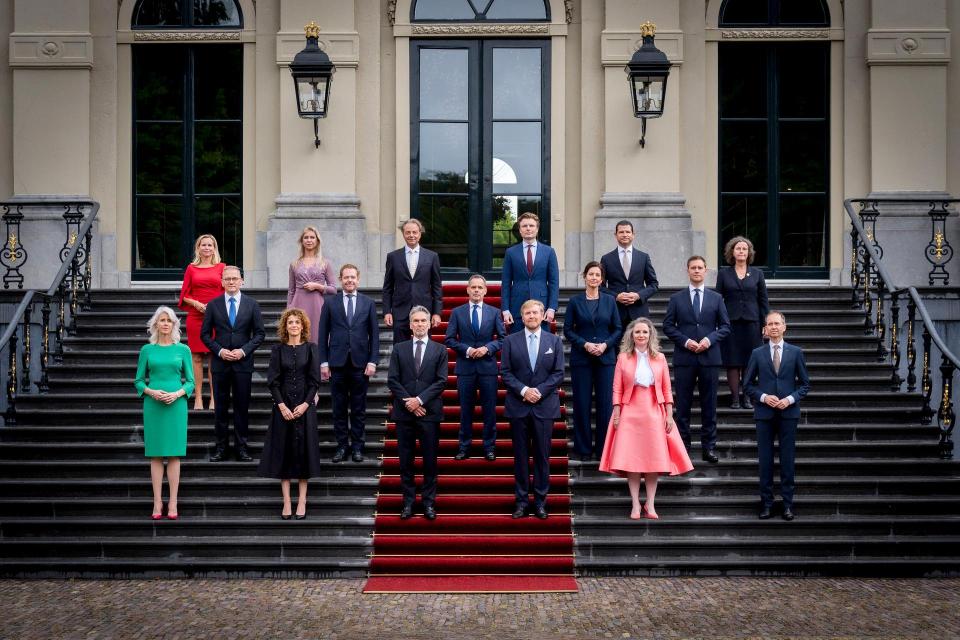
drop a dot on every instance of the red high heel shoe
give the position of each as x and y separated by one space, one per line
650 515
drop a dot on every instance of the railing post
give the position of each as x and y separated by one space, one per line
880 322
44 385
926 383
13 256
88 268
938 251
61 318
10 415
911 346
25 384
945 414
895 380
867 300
854 267
74 298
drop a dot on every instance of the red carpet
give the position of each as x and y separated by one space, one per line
473 546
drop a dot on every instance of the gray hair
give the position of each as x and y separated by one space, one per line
418 309
152 324
414 221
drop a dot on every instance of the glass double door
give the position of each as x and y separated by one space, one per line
480 146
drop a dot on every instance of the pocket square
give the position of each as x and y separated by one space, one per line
548 351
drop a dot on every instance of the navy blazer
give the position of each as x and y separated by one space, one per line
341 343
460 335
546 378
247 332
745 299
580 327
518 286
428 385
792 380
681 325
642 279
402 292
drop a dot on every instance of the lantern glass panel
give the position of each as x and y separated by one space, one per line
312 96
648 96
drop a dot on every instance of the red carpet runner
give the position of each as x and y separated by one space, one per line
473 546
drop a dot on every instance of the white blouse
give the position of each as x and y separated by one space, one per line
644 374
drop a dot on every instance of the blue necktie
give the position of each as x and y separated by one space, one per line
350 309
475 319
696 304
532 349
233 311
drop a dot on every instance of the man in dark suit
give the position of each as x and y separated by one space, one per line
530 272
232 329
532 368
412 278
697 321
629 276
417 376
475 332
348 337
776 379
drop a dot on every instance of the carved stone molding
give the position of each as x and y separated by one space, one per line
185 36
392 12
51 50
617 47
342 47
775 34
568 9
895 47
478 29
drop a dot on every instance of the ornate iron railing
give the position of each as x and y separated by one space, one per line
874 290
59 304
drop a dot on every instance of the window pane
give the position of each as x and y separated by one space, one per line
159 230
443 157
802 78
517 157
808 12
219 13
443 10
745 216
803 221
743 156
448 222
517 10
505 212
744 12
444 74
217 149
159 13
222 218
516 83
743 81
159 78
159 158
803 156
218 82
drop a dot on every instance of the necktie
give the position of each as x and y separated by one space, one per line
696 304
475 319
529 259
411 262
418 357
776 358
532 348
625 262
350 308
233 311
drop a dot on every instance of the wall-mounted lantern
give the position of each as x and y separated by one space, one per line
312 74
647 72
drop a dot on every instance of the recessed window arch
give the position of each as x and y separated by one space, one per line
154 14
480 10
780 13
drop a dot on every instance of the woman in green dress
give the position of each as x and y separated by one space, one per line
165 378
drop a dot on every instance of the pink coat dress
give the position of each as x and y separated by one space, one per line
310 301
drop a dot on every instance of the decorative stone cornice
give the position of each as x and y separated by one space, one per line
392 12
491 28
915 47
51 50
568 10
616 47
186 36
774 34
342 47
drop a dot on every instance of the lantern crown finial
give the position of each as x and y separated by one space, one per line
312 30
647 29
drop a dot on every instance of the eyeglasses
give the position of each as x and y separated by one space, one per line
232 279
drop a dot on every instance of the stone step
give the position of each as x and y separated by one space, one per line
223 530
207 487
796 565
225 566
189 506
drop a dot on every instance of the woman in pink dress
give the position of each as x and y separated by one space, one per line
202 282
642 440
311 278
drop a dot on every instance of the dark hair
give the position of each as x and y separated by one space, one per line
623 223
692 258
591 265
733 242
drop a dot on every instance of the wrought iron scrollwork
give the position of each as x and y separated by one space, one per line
938 251
13 255
895 380
10 415
946 418
926 382
911 347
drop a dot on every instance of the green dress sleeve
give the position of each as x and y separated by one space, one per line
140 382
187 368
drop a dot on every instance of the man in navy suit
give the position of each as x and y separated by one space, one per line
417 376
697 321
776 379
629 276
530 272
412 278
532 368
475 332
348 337
232 329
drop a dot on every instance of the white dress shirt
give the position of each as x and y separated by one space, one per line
700 289
226 301
643 376
780 344
526 334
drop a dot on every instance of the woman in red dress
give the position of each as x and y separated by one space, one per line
202 282
642 440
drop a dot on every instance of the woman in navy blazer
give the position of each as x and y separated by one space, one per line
592 326
744 293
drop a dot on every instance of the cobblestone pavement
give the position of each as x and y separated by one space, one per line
605 608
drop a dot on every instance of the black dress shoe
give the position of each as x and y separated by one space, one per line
461 455
520 512
541 512
746 404
357 456
406 512
300 517
735 403
788 514
430 513
285 517
340 454
764 513
219 455
710 456
243 456
490 456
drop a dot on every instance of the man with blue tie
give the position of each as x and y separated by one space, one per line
532 368
776 380
696 322
530 272
475 332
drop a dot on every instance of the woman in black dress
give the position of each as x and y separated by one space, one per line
744 293
292 446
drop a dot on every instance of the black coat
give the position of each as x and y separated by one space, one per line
642 280
745 299
428 385
401 292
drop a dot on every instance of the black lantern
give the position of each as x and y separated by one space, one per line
647 72
312 74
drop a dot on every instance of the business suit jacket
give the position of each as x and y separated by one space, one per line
247 333
642 279
460 336
341 343
580 327
680 324
518 286
401 292
428 385
546 378
792 380
745 299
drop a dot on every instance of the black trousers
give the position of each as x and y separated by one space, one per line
428 433
231 385
593 380
401 330
523 432
467 387
348 391
785 431
705 379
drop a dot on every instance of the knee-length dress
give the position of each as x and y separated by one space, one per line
165 368
202 284
310 301
747 306
640 443
292 447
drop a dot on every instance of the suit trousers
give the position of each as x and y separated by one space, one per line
705 379
523 431
785 431
236 384
348 390
591 382
467 387
428 432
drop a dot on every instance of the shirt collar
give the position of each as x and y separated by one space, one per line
693 288
227 296
645 354
530 243
774 344
477 304
532 333
625 249
416 249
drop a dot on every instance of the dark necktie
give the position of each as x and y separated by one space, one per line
696 304
418 357
475 319
350 309
233 311
530 259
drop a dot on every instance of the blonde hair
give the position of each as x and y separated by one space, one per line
533 303
653 344
196 249
316 232
304 325
152 325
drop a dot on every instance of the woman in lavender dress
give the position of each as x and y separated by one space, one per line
311 278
